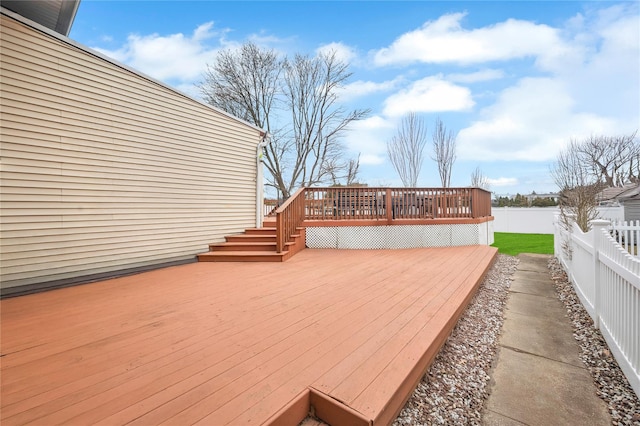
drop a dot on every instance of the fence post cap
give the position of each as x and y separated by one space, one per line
600 222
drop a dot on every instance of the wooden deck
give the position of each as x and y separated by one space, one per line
347 332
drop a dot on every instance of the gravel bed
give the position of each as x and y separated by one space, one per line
454 389
611 384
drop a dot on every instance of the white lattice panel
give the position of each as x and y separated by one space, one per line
464 235
322 237
399 236
405 236
361 237
436 236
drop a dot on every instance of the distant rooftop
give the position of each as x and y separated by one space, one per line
632 193
610 194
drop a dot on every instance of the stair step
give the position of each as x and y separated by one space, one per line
260 231
241 256
251 238
243 246
255 245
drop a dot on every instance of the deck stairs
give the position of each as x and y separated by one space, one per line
254 245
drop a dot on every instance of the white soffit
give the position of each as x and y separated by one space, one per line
57 15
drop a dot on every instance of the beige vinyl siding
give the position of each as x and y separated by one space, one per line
631 210
104 170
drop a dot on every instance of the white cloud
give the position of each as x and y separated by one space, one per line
595 91
445 41
343 52
606 78
430 94
363 88
173 56
503 181
476 77
530 121
368 137
268 41
371 159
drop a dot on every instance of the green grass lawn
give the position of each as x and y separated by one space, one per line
514 244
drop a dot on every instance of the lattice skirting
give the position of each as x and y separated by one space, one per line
399 236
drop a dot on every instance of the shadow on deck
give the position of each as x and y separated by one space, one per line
347 332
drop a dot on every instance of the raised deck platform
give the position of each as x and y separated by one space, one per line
349 332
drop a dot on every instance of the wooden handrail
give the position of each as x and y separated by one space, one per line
289 216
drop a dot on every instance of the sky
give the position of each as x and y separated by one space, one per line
514 80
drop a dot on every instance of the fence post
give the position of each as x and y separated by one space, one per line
597 226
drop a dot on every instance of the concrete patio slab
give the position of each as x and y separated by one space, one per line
538 391
529 304
540 336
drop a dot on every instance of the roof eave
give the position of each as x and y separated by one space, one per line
56 15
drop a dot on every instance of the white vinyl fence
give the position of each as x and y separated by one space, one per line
627 234
539 220
269 206
607 280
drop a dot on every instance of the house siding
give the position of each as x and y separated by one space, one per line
103 169
631 210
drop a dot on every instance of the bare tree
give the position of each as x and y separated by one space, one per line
352 171
244 83
318 122
579 187
444 151
350 175
613 159
479 180
295 101
406 149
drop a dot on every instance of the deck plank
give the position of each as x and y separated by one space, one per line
230 343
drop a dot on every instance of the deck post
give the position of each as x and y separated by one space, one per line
279 232
389 205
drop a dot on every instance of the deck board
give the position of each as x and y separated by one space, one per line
233 343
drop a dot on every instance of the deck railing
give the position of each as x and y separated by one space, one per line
289 216
380 204
352 203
